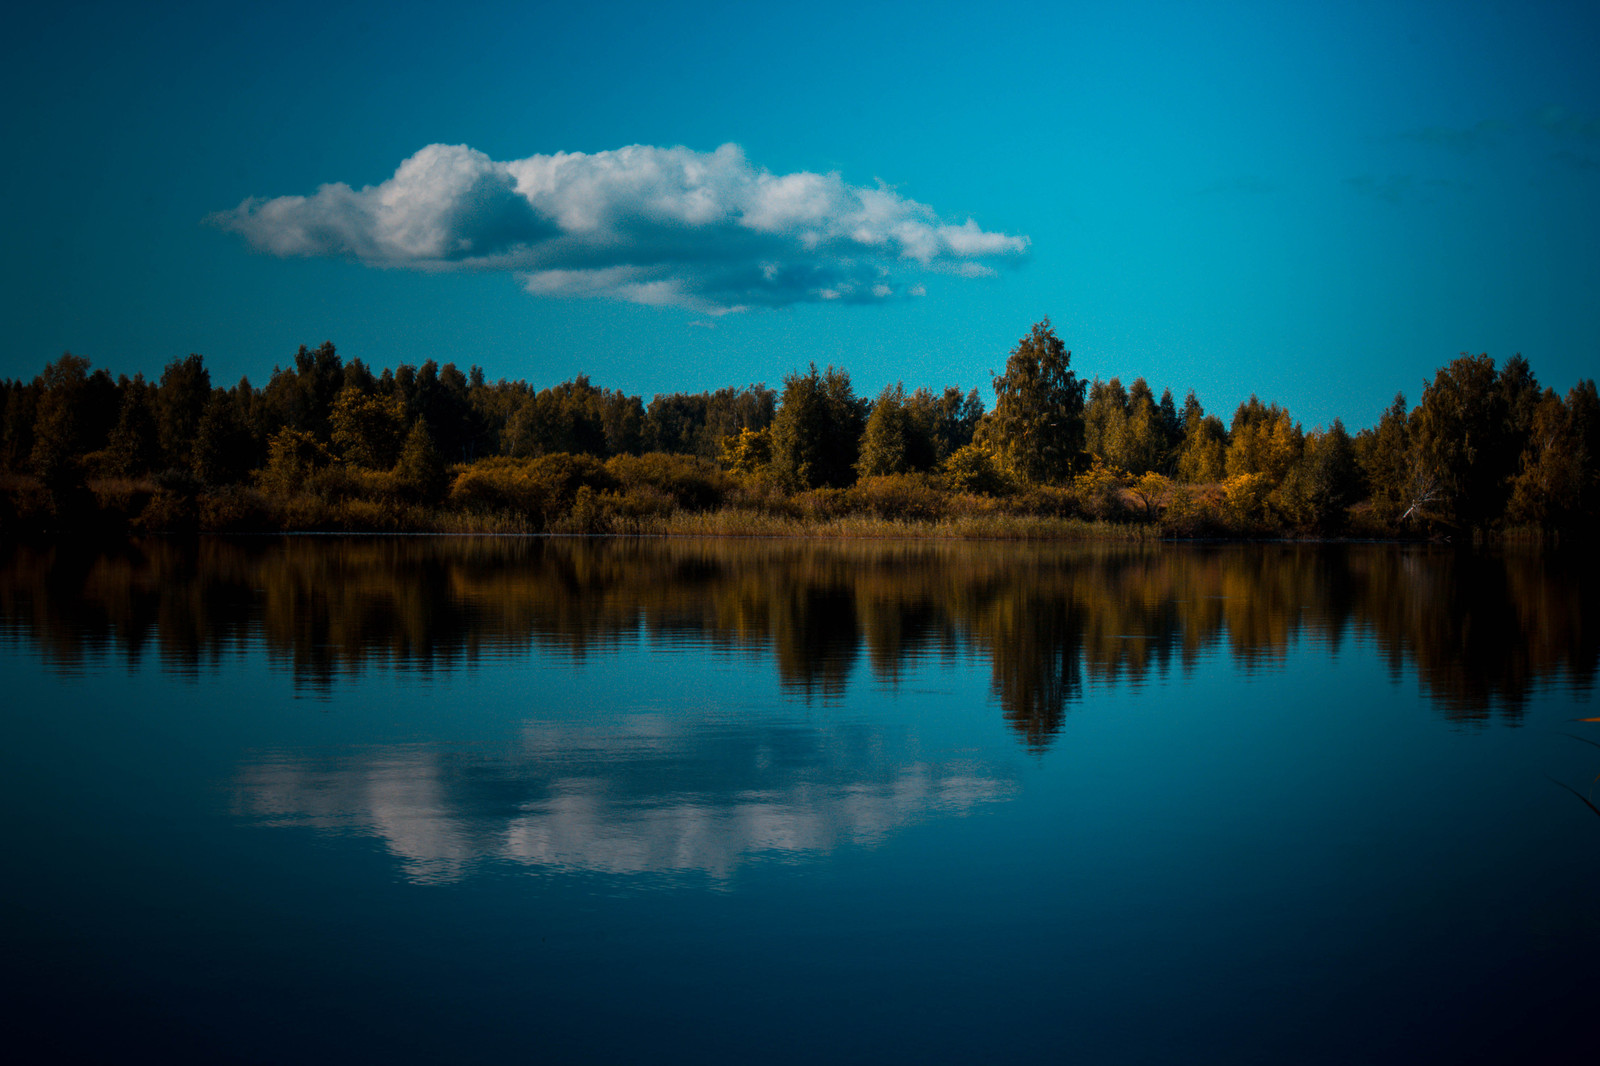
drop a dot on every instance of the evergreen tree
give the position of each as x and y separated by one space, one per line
59 429
222 444
1324 481
1459 441
1385 457
1037 425
897 439
1105 421
134 447
1263 440
420 473
816 433
181 399
367 429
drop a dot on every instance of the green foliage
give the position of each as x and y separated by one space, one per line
949 418
542 488
1460 441
898 438
816 432
16 424
1099 490
575 418
699 423
134 446
1263 440
58 429
1126 428
1202 455
903 497
368 429
181 400
973 469
747 453
689 482
1324 482
222 443
293 455
1482 449
1036 429
1245 499
1150 489
1385 457
420 473
1549 490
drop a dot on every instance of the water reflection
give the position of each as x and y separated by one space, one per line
1482 631
640 797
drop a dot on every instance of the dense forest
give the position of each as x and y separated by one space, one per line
330 444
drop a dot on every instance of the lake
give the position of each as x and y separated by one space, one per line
569 800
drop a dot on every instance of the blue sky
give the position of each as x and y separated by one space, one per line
1318 203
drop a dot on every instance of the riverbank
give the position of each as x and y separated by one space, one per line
670 496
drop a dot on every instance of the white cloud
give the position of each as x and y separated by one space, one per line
663 226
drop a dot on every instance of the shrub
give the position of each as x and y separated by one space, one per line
1191 511
692 483
543 488
234 509
1047 501
1245 498
973 469
898 496
293 455
1099 490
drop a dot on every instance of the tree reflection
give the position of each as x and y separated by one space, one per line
1482 631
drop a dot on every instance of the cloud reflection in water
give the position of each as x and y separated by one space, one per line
637 799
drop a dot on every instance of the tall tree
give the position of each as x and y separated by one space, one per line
1385 457
898 438
950 417
1202 453
223 446
181 399
134 447
1037 424
816 433
1323 482
1459 438
368 429
1263 440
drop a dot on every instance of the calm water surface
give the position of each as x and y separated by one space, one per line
474 800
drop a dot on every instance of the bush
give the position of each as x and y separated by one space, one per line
1046 501
542 489
973 469
1099 491
692 483
1192 511
234 509
293 455
822 504
1245 498
898 496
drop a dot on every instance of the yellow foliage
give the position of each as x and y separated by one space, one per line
1245 496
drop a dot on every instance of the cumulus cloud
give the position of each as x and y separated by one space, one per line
663 226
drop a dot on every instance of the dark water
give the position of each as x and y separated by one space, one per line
611 801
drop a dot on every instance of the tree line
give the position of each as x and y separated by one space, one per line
331 442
